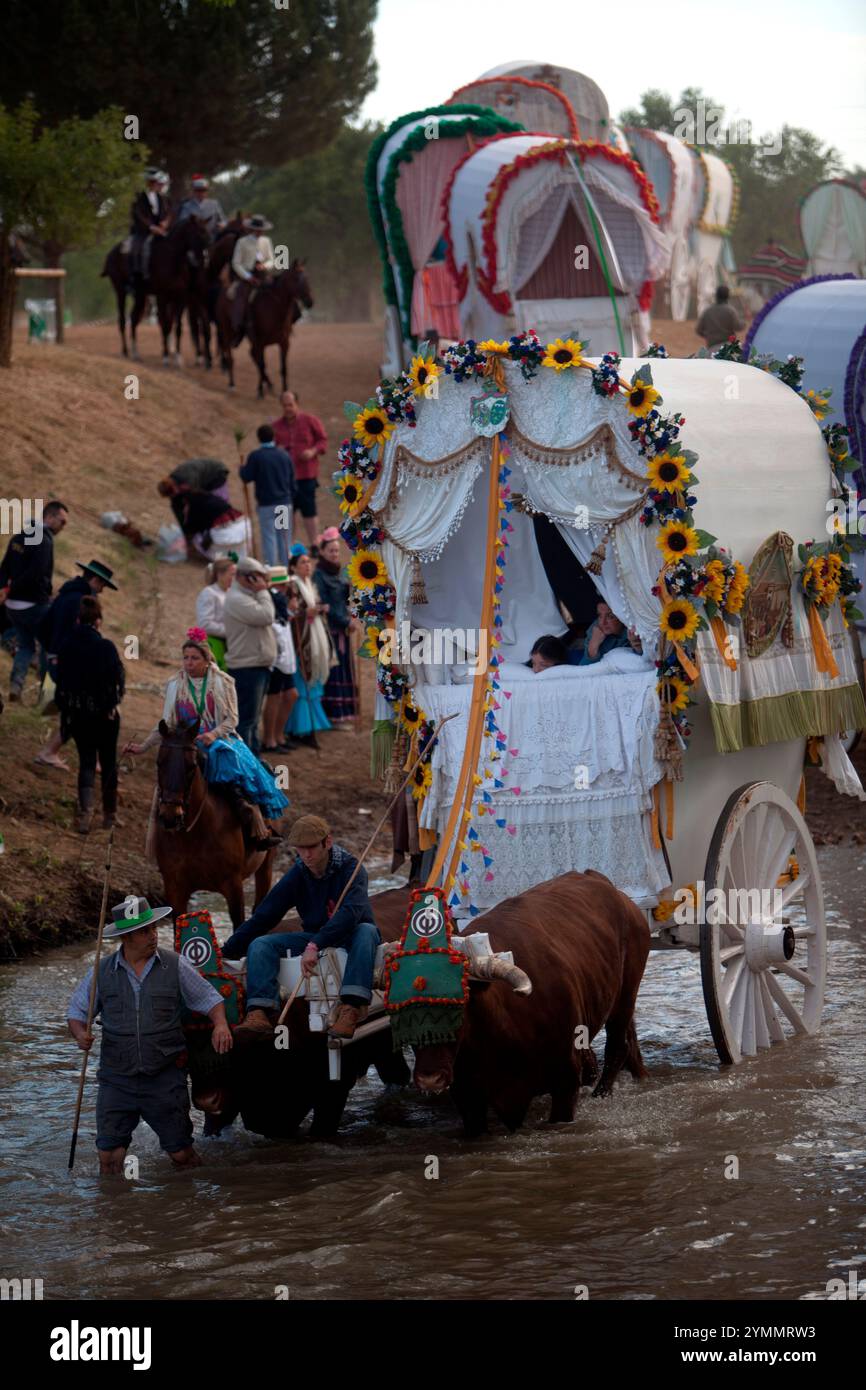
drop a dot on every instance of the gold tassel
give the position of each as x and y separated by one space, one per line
417 591
596 559
394 771
666 746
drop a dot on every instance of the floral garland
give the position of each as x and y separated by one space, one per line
374 207
487 273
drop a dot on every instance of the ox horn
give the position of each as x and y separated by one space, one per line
492 968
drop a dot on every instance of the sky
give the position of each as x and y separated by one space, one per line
773 63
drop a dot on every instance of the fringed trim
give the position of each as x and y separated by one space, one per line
779 718
381 746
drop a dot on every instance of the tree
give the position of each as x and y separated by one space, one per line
212 86
60 187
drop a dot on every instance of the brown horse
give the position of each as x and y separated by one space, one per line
272 312
176 261
205 290
199 841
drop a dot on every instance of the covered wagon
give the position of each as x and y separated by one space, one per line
694 494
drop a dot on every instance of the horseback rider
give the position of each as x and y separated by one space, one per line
252 263
201 691
150 217
201 205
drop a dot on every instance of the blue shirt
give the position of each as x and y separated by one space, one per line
197 994
608 645
315 900
270 468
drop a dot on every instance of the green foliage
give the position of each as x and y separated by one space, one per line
318 209
774 173
214 86
66 185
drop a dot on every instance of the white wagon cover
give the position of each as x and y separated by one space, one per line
647 469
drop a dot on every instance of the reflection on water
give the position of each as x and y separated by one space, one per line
631 1200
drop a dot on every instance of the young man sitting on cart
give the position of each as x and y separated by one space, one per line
605 635
313 887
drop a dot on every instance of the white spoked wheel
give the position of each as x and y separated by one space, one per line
764 943
680 281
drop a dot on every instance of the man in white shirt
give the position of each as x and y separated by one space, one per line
252 262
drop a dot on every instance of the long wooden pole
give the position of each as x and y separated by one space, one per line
444 720
92 1000
247 509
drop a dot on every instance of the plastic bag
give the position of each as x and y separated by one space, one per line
170 545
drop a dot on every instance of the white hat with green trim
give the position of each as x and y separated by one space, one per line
133 913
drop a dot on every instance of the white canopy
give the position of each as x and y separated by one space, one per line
833 226
587 100
574 461
535 105
529 219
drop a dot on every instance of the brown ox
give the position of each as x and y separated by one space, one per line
584 945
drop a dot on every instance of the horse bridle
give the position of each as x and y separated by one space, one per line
181 800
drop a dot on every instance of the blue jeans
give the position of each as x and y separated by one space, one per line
251 683
266 952
25 621
276 540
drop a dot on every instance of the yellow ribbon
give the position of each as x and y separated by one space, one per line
824 658
720 632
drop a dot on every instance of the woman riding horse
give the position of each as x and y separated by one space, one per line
201 692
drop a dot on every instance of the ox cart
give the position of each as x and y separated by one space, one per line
483 491
479 489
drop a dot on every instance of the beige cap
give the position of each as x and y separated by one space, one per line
249 565
308 830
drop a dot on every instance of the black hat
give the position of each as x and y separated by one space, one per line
133 913
100 570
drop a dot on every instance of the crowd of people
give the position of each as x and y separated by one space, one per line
268 662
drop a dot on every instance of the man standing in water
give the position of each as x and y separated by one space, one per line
142 1066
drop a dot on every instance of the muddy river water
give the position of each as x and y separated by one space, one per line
631 1201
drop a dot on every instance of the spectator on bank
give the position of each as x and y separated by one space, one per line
269 469
251 647
282 692
303 435
90 686
26 572
210 603
57 627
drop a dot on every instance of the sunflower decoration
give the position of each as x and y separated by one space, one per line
679 620
372 426
737 587
562 354
422 372
677 539
491 345
349 492
818 402
366 570
410 717
669 472
714 588
370 645
420 781
673 693
641 397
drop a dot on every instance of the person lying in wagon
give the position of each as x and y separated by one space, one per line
313 887
604 635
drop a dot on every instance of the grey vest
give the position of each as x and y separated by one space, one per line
149 1037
